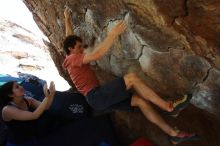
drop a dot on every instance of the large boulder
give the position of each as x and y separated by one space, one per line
172 45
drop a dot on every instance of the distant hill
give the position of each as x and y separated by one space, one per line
23 51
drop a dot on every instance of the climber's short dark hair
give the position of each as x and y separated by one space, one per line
70 41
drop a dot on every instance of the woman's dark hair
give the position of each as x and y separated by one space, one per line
70 41
5 91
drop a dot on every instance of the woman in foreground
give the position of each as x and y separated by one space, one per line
20 114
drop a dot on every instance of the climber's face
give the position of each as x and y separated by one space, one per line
77 48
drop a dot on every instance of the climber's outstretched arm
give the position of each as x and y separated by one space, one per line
104 46
68 21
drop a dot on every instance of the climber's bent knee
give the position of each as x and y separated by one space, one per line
130 80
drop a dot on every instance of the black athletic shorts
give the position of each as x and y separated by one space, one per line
111 96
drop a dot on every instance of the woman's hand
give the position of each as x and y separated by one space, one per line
19 114
49 93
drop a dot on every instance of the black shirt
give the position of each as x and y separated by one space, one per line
21 131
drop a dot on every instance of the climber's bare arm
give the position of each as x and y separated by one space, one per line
104 46
68 22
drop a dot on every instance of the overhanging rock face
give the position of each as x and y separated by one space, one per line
173 45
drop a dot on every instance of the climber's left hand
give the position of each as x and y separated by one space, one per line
67 12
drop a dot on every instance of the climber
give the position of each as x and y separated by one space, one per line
116 94
20 114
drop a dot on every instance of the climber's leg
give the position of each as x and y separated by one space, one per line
152 115
175 136
132 81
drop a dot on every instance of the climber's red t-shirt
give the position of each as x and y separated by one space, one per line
81 74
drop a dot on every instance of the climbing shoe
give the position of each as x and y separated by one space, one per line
183 136
179 104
